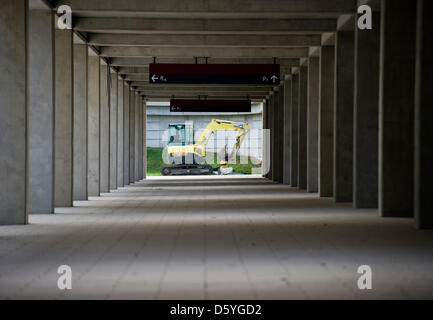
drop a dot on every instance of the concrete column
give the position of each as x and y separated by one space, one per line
366 116
63 118
275 125
104 132
126 96
326 121
131 136
140 139
41 111
137 138
120 132
93 119
423 116
265 140
281 134
80 121
13 107
302 128
313 125
144 141
272 128
113 131
396 108
343 117
294 131
286 131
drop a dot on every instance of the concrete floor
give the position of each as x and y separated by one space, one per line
214 239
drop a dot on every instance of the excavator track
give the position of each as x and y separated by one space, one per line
190 169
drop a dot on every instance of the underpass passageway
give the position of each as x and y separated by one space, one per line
214 239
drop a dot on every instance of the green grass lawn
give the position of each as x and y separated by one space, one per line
155 163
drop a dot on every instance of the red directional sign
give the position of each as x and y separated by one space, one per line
214 73
186 105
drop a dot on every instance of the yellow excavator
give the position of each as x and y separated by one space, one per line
188 158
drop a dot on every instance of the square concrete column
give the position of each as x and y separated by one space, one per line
265 139
276 144
63 118
137 157
366 116
396 108
144 141
326 121
104 132
272 136
113 131
41 111
281 134
294 136
286 131
302 128
120 132
131 136
14 112
343 116
126 116
140 138
423 116
80 121
93 118
313 124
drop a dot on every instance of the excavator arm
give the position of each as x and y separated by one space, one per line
213 126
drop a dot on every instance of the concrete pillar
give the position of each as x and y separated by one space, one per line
41 111
286 131
131 136
302 128
280 134
120 132
366 116
423 116
326 121
276 126
13 107
80 122
63 118
113 131
144 141
266 140
313 125
396 108
126 96
343 116
273 133
137 137
104 132
140 139
93 118
294 131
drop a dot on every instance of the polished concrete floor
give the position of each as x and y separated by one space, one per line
214 239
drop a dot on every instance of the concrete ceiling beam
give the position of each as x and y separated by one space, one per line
234 88
144 62
214 52
217 8
141 40
204 26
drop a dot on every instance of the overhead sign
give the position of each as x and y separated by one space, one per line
171 73
185 105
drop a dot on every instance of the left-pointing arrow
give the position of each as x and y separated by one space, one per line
154 78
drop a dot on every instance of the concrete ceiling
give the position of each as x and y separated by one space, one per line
130 33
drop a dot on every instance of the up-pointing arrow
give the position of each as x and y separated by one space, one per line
274 78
